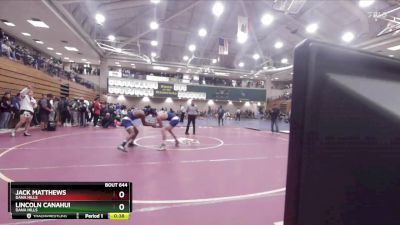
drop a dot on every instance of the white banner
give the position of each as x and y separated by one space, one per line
114 74
243 27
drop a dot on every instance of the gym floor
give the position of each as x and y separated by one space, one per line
222 175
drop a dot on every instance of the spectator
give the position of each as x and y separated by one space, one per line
96 111
63 107
6 48
238 114
183 110
274 118
192 112
44 110
15 108
74 105
83 108
221 113
107 121
28 105
5 110
54 105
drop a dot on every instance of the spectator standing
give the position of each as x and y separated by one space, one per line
5 110
45 110
220 113
192 112
74 111
183 110
82 112
274 118
96 111
28 105
238 114
54 105
63 107
15 107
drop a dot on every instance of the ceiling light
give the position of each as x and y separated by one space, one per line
155 1
163 68
117 63
58 53
391 55
153 54
241 64
39 42
312 28
365 3
8 23
111 37
154 25
267 19
71 61
218 9
66 58
154 43
202 32
185 58
100 18
348 37
242 38
84 59
192 48
284 61
26 34
256 56
394 48
214 61
132 64
278 45
118 50
72 49
38 23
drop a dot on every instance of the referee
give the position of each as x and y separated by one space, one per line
192 112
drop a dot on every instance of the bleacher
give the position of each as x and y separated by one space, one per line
15 76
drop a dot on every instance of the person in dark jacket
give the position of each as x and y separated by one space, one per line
107 121
220 113
5 110
44 110
274 118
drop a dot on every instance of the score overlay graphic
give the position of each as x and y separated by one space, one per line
70 200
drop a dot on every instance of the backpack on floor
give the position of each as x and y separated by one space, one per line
51 126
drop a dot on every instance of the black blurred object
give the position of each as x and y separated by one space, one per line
344 149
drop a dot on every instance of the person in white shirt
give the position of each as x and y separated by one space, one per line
28 105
